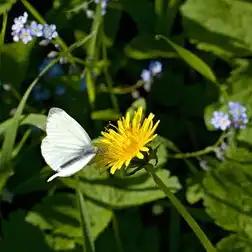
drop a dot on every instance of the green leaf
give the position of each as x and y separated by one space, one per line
220 26
5 5
235 243
119 192
194 193
59 215
144 46
10 135
191 59
15 57
228 196
106 114
140 102
88 240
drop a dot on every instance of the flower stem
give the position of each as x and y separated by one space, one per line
116 231
200 152
88 243
182 210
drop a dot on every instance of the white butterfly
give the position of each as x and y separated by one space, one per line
67 148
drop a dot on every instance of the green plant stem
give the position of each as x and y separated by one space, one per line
205 151
106 73
159 5
2 35
171 12
116 232
3 30
91 56
182 210
88 243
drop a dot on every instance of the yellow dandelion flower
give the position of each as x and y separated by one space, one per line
119 145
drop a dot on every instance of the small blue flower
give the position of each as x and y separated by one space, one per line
60 90
238 114
146 75
25 35
236 109
220 120
49 31
55 71
18 25
36 29
155 67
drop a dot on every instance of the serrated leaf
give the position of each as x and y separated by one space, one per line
228 196
119 192
235 243
59 214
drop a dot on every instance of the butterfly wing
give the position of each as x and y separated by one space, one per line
67 146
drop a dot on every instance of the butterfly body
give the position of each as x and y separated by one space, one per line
67 148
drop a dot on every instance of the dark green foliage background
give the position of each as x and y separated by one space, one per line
130 213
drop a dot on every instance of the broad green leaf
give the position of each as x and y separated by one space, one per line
5 5
235 243
106 114
15 57
220 26
60 215
228 196
191 59
147 47
119 192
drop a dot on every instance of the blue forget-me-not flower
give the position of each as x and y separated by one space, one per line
236 117
36 29
147 75
220 120
238 114
26 31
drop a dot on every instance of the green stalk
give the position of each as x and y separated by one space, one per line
2 35
205 151
106 73
88 242
91 57
159 5
182 210
116 232
171 12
